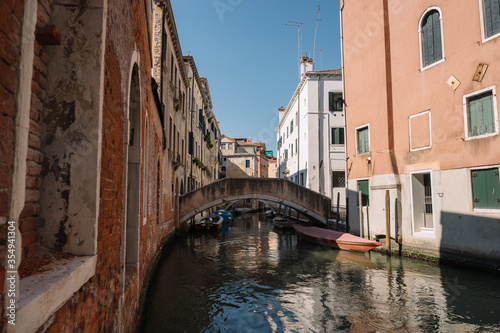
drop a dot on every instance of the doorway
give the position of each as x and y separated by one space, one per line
423 216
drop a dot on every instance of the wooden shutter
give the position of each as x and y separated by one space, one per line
363 143
491 17
331 101
486 189
481 116
363 188
432 48
337 136
191 144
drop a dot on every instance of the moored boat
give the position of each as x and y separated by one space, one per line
282 223
208 223
226 216
335 239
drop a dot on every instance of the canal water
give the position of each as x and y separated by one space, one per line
251 278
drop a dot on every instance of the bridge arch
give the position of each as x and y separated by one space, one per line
309 203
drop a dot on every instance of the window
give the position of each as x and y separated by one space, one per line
363 188
335 102
363 140
337 136
338 179
431 37
486 188
491 18
247 163
291 150
480 114
296 147
291 126
229 146
286 154
223 146
191 144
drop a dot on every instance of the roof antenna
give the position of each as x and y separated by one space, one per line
299 37
315 34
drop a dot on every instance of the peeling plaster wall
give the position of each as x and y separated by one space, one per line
72 131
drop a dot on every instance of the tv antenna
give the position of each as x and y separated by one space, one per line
299 39
316 33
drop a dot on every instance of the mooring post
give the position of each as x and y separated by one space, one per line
338 210
388 220
360 205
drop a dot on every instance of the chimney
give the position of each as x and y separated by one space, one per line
281 112
306 65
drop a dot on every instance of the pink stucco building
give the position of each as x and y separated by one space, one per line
421 80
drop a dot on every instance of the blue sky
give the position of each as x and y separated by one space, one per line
249 55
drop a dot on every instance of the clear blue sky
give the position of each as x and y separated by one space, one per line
249 55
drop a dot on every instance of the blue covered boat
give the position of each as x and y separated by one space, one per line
226 216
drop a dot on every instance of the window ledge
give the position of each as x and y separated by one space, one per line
485 40
41 295
425 233
482 136
432 65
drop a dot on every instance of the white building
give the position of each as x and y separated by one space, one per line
310 134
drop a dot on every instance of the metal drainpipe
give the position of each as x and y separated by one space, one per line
345 115
320 145
298 133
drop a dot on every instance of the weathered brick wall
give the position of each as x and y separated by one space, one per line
10 29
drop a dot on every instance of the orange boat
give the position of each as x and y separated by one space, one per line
335 239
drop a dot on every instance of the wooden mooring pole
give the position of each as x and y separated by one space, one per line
388 220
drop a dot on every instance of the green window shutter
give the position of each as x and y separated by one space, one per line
331 101
493 180
286 154
436 34
481 114
486 188
191 144
363 188
491 17
363 141
337 135
432 50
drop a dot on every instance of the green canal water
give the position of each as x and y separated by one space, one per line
250 278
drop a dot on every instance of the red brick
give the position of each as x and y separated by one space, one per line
8 78
35 128
4 203
34 113
33 169
6 150
32 195
8 51
7 102
34 155
34 141
35 89
37 48
30 250
28 224
4 175
7 122
30 209
9 4
10 25
19 10
29 238
36 103
42 12
40 79
39 65
32 182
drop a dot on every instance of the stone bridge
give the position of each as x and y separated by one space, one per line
309 203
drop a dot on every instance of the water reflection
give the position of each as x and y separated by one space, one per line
250 278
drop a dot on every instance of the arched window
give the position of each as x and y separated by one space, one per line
431 37
491 18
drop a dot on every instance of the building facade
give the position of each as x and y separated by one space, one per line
243 158
422 122
310 134
92 159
